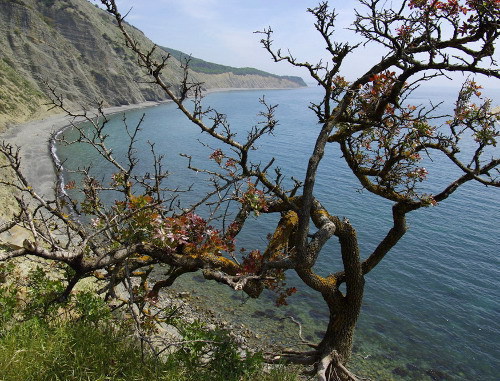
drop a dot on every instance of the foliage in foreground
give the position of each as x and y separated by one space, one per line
39 340
381 137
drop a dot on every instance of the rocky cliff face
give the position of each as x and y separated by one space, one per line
75 47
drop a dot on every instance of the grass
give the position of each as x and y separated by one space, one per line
35 350
36 344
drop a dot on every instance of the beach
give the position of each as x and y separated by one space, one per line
33 140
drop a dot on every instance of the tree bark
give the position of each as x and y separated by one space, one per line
336 346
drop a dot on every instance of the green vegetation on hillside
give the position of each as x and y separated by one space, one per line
10 98
200 66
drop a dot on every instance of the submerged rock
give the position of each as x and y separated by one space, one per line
412 367
437 375
400 371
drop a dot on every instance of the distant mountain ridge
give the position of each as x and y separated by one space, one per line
76 47
200 66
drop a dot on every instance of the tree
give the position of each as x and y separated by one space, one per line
382 139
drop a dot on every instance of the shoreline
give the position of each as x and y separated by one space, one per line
412 364
34 138
38 165
34 141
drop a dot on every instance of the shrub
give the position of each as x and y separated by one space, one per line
42 339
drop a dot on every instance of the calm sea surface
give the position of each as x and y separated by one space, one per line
431 309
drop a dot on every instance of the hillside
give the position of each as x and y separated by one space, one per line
75 47
200 66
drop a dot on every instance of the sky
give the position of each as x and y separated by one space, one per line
222 31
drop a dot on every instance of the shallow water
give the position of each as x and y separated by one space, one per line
431 309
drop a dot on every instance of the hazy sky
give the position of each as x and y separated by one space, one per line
221 31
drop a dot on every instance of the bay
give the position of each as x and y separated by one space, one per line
431 309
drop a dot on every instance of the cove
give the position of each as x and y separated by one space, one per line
430 310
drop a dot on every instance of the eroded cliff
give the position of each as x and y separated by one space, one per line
75 47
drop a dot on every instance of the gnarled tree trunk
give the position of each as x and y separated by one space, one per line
336 346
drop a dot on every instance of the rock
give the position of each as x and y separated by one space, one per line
412 367
380 327
258 314
319 334
399 371
198 278
437 375
316 314
270 312
169 331
211 327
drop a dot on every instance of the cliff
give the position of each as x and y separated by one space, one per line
75 47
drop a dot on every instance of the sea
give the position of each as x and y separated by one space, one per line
431 308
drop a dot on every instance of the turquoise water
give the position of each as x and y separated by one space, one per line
431 308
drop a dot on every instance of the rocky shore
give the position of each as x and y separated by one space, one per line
191 308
